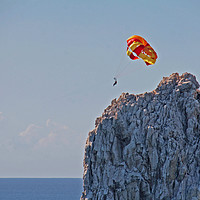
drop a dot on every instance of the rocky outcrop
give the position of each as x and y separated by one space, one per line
147 146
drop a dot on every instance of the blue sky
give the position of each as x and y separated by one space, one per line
57 63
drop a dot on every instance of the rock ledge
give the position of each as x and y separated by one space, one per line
147 146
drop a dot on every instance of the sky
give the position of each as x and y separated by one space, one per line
57 63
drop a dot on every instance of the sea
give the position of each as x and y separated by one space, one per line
40 188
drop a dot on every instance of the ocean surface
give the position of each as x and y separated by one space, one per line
40 188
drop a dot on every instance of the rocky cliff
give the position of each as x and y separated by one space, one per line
147 146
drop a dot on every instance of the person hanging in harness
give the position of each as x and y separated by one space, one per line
115 83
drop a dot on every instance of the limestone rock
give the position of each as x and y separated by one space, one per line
147 146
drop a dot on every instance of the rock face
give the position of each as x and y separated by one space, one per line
147 146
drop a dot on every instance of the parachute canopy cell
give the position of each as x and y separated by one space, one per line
138 47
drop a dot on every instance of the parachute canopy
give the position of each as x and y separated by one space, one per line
137 45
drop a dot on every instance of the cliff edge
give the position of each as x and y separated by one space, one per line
147 146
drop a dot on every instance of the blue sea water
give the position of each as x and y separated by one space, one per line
40 188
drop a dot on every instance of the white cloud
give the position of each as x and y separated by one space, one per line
48 122
55 126
51 134
45 141
29 131
1 116
57 135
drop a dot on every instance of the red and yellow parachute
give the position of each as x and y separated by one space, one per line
139 46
